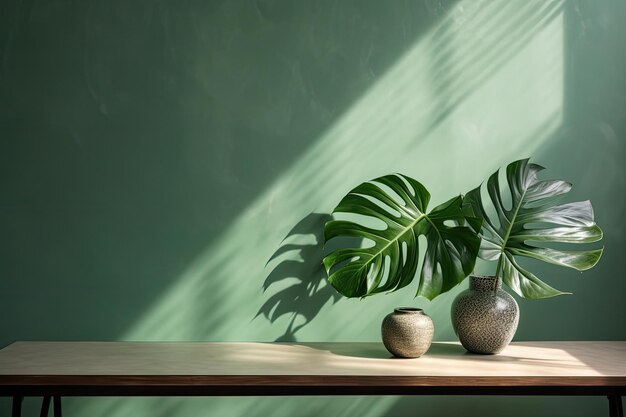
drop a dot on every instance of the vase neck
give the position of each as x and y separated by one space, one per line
485 283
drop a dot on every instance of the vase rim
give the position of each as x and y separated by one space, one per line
408 310
490 277
485 282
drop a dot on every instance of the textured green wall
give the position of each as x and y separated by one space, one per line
155 154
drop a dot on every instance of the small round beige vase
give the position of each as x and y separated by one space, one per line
407 332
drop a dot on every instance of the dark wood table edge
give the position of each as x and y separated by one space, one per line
251 385
57 386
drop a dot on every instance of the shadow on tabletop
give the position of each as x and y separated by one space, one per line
378 351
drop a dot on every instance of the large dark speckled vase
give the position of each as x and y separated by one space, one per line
485 317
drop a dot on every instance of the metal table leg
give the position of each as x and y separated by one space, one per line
16 411
615 406
45 406
57 407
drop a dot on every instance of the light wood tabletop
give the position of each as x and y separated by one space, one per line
55 369
194 363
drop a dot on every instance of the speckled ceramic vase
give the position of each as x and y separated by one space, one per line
485 317
407 332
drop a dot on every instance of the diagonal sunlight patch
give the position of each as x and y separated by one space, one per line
483 88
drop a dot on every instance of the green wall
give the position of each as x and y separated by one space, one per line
155 154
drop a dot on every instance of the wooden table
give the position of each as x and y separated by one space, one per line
56 369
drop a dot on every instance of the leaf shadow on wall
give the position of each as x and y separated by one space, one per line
301 274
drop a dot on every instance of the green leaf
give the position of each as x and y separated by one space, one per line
533 219
450 251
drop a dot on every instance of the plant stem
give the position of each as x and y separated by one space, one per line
498 269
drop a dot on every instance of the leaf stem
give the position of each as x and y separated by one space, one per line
507 235
498 269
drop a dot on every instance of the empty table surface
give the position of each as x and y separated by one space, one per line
55 369
256 365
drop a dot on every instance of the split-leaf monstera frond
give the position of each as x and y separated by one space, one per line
391 262
533 219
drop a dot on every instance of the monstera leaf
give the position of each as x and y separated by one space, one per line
391 262
533 219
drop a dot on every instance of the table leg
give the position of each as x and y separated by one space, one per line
45 406
57 407
615 406
17 406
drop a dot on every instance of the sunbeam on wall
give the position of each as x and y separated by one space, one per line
484 87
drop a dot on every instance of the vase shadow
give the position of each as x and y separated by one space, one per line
378 351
